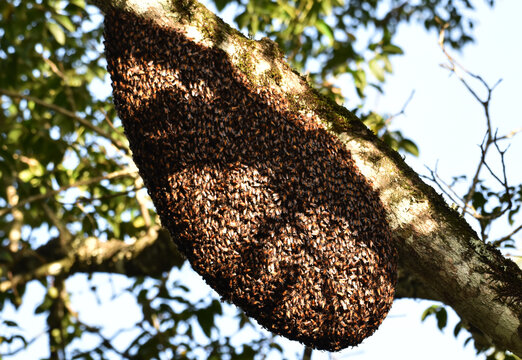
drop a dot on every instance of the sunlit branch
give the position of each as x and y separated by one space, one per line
108 120
15 233
509 135
141 198
53 268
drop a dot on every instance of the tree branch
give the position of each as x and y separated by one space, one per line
70 114
435 243
151 255
94 180
15 233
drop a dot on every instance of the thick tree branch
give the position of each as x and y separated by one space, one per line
151 255
435 242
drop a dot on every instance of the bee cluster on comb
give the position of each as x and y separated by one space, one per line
268 207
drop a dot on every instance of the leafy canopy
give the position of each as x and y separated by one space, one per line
67 179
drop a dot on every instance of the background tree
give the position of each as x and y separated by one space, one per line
73 201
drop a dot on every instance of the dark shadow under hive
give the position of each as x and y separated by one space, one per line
267 206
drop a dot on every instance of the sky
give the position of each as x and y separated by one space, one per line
446 123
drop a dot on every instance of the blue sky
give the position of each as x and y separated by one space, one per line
446 123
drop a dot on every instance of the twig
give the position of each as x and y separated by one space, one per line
455 68
65 235
504 181
59 72
508 236
403 110
84 200
437 180
142 199
90 181
70 114
307 354
509 135
106 116
25 346
105 342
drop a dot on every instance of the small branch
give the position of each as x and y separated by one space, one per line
15 233
144 256
307 354
403 109
21 348
508 236
85 200
442 185
509 135
57 313
70 114
65 235
106 117
61 75
456 68
141 198
53 268
472 188
90 181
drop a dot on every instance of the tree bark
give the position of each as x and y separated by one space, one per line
435 243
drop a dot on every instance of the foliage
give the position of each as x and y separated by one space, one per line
66 177
327 39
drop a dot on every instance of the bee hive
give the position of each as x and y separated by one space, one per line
267 206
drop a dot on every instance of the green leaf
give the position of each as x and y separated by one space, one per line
440 314
479 200
65 21
359 77
14 135
57 32
5 256
392 49
10 323
351 36
442 318
221 4
409 146
326 30
387 64
376 69
206 320
429 311
457 329
79 3
375 122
